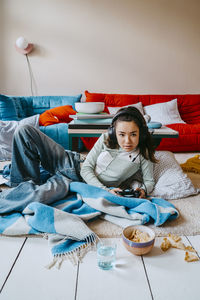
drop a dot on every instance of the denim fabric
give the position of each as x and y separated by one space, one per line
44 175
17 198
31 148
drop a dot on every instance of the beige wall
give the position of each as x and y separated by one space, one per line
124 46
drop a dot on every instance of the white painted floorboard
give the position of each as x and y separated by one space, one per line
9 249
156 276
195 242
30 279
127 280
170 276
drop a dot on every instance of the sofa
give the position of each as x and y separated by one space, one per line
16 108
182 115
187 120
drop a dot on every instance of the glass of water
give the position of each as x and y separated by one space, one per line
106 254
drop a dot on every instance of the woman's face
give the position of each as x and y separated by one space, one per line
127 134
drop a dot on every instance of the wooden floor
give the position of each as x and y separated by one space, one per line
157 275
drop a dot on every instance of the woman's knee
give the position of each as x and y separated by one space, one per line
24 130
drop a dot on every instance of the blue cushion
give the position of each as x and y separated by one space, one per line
42 103
24 106
154 125
7 109
59 133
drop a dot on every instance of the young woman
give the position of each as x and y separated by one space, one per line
120 153
116 156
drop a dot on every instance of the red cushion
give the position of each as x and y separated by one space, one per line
190 109
94 97
188 140
89 142
56 115
164 98
116 99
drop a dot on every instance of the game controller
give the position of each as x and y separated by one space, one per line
129 193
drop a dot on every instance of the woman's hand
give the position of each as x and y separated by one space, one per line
115 190
142 193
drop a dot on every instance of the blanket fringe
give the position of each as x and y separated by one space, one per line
76 255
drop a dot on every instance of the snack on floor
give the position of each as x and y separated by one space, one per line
174 241
189 257
165 244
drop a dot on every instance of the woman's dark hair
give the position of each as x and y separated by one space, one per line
129 114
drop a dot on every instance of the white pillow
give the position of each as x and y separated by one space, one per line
114 110
7 129
165 113
171 181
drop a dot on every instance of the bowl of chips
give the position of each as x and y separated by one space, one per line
138 239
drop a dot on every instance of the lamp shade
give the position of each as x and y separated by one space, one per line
22 45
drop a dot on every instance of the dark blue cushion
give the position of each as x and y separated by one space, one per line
24 106
7 109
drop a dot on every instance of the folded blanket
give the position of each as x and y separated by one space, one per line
25 210
192 165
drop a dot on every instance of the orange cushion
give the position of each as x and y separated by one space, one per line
56 115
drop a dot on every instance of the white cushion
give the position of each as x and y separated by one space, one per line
114 110
171 181
7 129
165 113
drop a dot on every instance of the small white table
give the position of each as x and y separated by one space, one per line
76 130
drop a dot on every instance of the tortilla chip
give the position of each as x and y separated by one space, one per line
178 245
165 245
175 238
189 257
190 249
138 236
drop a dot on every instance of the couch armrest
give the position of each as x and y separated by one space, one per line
57 132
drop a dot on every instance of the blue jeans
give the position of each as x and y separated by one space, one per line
31 148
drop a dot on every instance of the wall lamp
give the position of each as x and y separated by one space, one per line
23 46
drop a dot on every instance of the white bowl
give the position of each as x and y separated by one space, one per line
89 107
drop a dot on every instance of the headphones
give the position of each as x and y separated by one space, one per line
137 117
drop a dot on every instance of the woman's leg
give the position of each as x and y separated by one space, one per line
31 148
